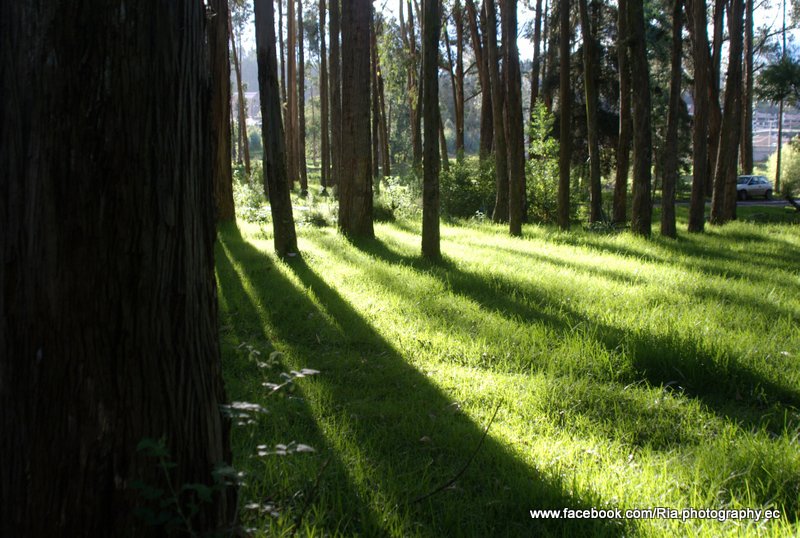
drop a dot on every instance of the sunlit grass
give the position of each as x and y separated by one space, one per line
630 373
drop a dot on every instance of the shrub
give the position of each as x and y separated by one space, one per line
467 188
399 197
790 167
542 170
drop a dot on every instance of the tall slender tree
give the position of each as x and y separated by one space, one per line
335 93
696 11
747 98
276 180
481 59
244 148
641 203
355 187
625 121
671 138
535 66
291 125
515 136
323 102
500 213
431 29
565 116
108 313
301 103
221 111
590 64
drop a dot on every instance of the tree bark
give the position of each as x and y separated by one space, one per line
747 101
108 312
548 88
244 146
376 127
292 136
535 66
671 139
276 179
355 188
335 67
642 204
715 112
282 58
723 201
481 60
323 100
515 136
445 157
221 111
696 11
301 103
565 115
458 15
590 63
625 121
430 100
500 213
383 121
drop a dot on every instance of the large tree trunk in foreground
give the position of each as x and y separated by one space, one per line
276 179
500 213
221 111
696 11
671 139
641 203
108 314
431 28
625 121
355 188
565 117
590 65
515 137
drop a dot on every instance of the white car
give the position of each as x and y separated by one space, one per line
749 186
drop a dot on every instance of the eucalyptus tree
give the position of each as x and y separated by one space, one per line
625 121
431 29
671 142
108 313
513 112
565 116
500 213
220 110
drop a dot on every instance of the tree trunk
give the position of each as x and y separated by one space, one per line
376 138
244 147
221 111
500 213
335 67
747 101
292 137
548 88
696 9
414 95
458 15
276 179
108 312
515 136
671 139
383 122
481 60
282 58
430 102
535 67
565 106
625 121
715 112
323 101
723 202
355 188
445 157
590 63
642 204
301 103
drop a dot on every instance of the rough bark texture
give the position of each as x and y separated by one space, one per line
671 139
335 68
430 99
565 116
323 100
500 213
515 137
723 202
696 11
244 147
590 65
641 203
481 60
276 180
108 313
625 122
355 189
221 111
747 99
301 103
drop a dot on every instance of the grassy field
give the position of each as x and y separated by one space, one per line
625 373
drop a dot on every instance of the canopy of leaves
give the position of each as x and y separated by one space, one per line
780 81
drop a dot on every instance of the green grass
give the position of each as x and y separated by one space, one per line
628 374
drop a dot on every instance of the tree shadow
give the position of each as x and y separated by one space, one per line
397 435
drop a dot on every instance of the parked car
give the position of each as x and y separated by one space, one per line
749 186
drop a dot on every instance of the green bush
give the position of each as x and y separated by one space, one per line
542 170
790 167
467 188
399 197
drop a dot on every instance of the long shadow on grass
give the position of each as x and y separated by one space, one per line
397 433
731 390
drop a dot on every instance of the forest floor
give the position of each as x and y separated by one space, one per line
624 373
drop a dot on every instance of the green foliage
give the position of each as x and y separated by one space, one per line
248 195
467 188
790 167
779 81
542 170
399 197
254 139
